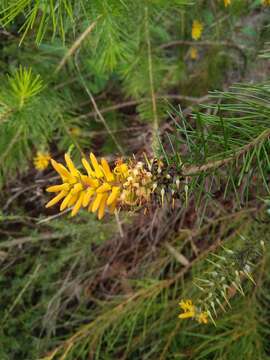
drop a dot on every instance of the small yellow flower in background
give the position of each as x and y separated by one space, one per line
193 53
188 308
203 317
197 29
190 311
41 160
266 2
227 3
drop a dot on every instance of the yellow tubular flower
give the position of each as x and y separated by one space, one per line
197 29
98 172
56 199
41 160
186 315
106 169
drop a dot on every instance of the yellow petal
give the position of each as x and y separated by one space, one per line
96 167
103 188
96 202
90 206
77 188
78 204
70 165
72 200
101 209
56 188
57 198
94 183
107 171
88 168
87 196
187 315
113 195
66 201
62 171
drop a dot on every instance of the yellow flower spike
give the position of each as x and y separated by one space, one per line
107 171
88 168
78 204
103 188
62 171
96 167
113 195
56 199
101 209
197 29
65 202
70 165
96 202
87 196
56 188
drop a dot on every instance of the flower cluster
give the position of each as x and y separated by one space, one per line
41 160
197 29
266 2
191 311
99 189
132 184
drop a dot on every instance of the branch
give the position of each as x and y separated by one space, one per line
76 45
194 170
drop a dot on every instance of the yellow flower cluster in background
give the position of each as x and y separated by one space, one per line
193 53
197 29
41 160
190 311
266 2
102 187
227 3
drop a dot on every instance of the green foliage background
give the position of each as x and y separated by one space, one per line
115 77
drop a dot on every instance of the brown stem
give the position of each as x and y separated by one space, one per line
194 170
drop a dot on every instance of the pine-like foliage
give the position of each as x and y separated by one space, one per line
122 77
